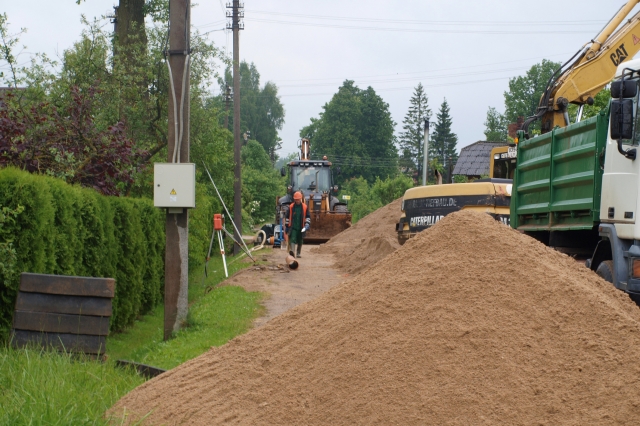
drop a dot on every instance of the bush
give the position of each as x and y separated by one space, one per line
50 227
367 198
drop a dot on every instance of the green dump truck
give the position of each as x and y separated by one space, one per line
576 188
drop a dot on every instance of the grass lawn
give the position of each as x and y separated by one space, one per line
55 389
214 318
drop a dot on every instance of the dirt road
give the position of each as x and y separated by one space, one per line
286 290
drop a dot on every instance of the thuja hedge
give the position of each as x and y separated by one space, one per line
68 230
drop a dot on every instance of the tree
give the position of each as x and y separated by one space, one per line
444 141
524 93
262 113
261 183
355 131
495 126
412 138
132 96
600 102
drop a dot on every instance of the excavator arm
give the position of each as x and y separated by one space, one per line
580 79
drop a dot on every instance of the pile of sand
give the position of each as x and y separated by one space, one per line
469 322
372 238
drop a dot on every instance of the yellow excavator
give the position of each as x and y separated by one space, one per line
424 206
580 79
577 82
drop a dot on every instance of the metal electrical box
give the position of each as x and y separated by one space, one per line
174 185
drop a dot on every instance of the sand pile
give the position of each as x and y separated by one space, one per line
468 323
372 238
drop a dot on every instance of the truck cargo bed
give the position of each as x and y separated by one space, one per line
558 178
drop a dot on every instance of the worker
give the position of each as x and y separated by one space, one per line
297 222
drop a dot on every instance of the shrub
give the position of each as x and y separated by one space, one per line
48 226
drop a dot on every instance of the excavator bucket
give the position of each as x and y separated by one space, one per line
325 225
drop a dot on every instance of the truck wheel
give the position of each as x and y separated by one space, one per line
605 270
340 208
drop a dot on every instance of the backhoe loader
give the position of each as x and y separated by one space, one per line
313 178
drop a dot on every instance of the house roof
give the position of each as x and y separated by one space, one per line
474 159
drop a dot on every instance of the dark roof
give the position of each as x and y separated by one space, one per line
474 159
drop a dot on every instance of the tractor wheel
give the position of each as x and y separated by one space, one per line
340 208
605 270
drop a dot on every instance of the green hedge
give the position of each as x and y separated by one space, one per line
55 228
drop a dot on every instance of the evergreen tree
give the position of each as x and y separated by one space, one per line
412 137
443 143
495 126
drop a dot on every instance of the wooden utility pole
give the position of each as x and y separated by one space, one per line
176 270
236 25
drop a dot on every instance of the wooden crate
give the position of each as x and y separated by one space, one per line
63 312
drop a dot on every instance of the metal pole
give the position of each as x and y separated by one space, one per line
425 155
176 281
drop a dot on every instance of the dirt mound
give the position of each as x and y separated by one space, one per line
468 323
372 238
365 254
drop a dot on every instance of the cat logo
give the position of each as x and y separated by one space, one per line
619 55
173 192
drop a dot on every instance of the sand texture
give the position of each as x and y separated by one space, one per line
468 323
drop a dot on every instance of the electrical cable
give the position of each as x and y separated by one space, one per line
406 21
175 108
415 30
184 80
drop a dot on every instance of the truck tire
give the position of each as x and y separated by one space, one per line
605 270
340 208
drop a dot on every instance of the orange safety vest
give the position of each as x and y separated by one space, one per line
304 214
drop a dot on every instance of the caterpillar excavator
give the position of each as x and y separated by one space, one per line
423 206
577 82
593 66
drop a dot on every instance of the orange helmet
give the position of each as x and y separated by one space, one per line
297 196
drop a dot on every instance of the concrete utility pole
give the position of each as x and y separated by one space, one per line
236 25
176 268
425 155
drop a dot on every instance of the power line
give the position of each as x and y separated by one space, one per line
413 78
417 30
403 88
475 66
413 21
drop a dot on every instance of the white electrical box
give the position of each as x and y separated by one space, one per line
174 185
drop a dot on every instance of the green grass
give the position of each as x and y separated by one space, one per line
38 388
214 318
48 388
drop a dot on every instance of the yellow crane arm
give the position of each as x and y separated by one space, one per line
591 71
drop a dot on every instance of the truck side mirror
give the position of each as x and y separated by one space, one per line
629 89
621 119
283 171
622 124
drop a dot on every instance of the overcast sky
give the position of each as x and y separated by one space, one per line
464 51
